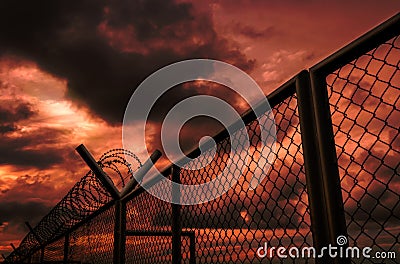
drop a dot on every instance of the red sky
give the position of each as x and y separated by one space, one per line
67 71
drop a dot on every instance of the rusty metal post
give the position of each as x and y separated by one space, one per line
176 224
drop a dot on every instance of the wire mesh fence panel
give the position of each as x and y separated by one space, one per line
186 249
232 227
148 215
149 249
36 257
364 96
55 251
93 241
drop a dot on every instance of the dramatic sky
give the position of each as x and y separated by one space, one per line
68 69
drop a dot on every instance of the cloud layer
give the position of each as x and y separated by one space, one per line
68 69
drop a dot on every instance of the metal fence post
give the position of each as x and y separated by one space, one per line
329 164
176 224
66 248
119 232
123 233
192 240
42 254
315 191
98 171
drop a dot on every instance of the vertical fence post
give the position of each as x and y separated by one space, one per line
119 232
176 224
123 232
66 248
42 254
315 190
329 164
192 249
117 224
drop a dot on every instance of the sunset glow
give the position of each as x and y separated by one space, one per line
67 73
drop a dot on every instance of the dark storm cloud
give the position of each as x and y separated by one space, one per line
16 113
197 127
17 212
147 17
7 128
11 114
64 38
13 150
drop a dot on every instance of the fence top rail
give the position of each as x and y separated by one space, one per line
383 32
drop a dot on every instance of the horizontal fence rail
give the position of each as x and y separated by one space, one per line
335 173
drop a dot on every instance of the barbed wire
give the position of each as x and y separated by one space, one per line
86 197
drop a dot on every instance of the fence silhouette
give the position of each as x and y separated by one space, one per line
336 173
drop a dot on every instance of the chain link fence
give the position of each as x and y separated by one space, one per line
232 227
336 172
364 97
149 224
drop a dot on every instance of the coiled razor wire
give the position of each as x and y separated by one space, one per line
86 197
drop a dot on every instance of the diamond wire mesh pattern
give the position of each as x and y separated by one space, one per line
36 257
149 249
231 228
364 96
146 213
93 241
54 251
